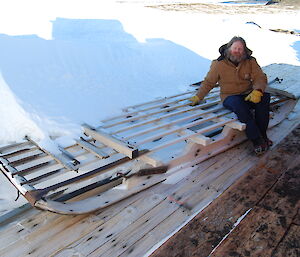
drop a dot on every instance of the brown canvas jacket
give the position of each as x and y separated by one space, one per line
233 80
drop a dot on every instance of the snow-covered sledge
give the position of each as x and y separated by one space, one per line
129 153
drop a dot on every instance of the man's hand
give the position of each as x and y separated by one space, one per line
254 96
194 100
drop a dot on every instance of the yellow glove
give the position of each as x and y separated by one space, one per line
195 100
254 96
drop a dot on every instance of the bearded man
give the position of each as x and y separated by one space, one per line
242 84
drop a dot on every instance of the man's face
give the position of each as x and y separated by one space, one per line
237 51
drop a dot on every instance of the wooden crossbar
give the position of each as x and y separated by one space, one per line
143 104
151 113
214 90
91 148
165 116
197 115
107 139
188 125
159 100
6 149
199 132
68 165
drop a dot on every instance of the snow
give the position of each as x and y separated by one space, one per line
66 62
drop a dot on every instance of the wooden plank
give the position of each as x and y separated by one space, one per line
208 228
40 169
255 234
235 124
59 158
43 177
23 167
289 246
173 122
185 126
137 110
77 178
23 156
92 148
103 233
69 156
198 139
193 194
146 115
52 228
159 100
16 147
12 215
276 91
107 139
165 116
140 229
128 112
16 180
201 131
168 226
114 225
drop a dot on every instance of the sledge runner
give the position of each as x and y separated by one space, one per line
242 90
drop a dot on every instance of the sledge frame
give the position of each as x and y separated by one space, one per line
111 160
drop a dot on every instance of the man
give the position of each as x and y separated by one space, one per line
242 84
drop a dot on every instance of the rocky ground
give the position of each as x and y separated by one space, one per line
281 6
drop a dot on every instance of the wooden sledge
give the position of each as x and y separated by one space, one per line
127 153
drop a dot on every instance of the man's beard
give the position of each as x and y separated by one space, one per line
234 58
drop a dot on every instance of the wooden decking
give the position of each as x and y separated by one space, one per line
257 216
140 224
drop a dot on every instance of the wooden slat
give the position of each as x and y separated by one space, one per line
188 125
112 142
146 115
198 139
142 104
170 123
165 116
10 149
69 156
40 169
276 91
234 124
15 180
41 178
92 148
201 131
25 167
59 158
159 100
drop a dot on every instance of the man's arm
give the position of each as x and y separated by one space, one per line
209 82
259 78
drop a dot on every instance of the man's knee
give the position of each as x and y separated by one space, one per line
235 103
265 101
266 98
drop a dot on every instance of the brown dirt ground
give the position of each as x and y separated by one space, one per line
282 6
